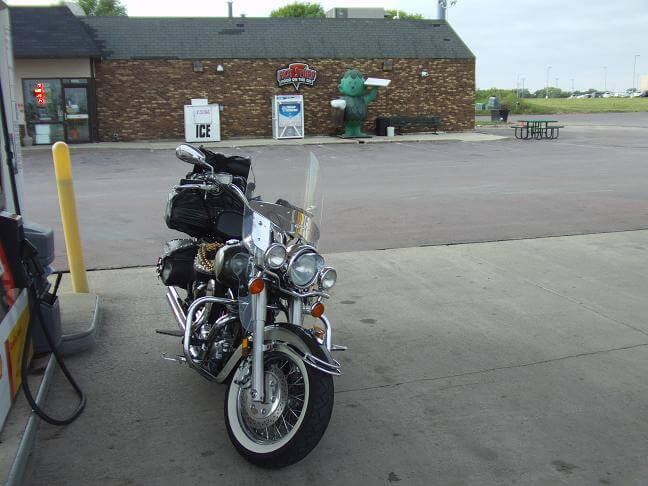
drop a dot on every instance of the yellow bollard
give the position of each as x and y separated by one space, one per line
63 172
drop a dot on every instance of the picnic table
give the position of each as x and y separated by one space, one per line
538 129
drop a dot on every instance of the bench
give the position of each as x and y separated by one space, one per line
432 123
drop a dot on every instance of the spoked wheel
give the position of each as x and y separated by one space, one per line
291 420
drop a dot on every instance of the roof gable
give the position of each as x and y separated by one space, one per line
49 32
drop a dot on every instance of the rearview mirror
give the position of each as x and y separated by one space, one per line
192 155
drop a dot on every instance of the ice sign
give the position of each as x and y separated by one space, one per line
202 122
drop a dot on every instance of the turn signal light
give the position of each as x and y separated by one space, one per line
256 285
245 349
317 310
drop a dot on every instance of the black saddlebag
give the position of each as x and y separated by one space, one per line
201 213
176 265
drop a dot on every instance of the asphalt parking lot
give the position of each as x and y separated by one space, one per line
593 179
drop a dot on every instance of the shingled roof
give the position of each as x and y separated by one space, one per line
49 32
260 38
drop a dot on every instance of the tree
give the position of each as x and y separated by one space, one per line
390 14
102 7
299 9
553 93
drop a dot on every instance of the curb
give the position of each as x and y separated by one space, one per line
245 143
75 343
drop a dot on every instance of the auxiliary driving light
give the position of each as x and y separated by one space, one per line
275 256
327 277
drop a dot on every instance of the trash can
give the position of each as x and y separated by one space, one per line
499 115
382 123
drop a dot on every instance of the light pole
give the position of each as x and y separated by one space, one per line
547 88
557 82
517 85
634 72
523 80
572 80
604 78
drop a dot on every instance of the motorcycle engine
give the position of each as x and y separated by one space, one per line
219 353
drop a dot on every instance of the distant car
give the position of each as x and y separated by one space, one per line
607 95
644 94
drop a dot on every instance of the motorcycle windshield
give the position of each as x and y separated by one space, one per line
294 207
292 216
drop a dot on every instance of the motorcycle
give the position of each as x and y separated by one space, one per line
249 275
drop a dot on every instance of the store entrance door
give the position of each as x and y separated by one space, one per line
77 115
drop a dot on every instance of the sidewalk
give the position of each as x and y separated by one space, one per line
255 142
495 363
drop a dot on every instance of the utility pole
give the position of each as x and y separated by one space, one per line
604 78
556 82
572 80
634 72
547 85
517 85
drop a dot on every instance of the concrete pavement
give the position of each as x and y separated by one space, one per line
518 362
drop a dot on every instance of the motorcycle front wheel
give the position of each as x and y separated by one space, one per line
292 419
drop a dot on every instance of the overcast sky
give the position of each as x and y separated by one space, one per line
510 38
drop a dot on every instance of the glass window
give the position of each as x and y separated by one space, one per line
43 101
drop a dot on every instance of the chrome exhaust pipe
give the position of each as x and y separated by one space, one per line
174 301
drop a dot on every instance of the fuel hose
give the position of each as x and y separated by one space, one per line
35 308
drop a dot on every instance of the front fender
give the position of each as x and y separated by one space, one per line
296 338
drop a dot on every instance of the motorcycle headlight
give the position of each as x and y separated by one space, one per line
304 269
275 256
327 277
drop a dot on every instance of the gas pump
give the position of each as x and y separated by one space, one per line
27 307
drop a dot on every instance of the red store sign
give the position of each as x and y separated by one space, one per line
39 92
296 73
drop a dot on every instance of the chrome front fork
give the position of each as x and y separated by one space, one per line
296 311
259 304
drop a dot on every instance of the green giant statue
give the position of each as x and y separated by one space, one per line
356 97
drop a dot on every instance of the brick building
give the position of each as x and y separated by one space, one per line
147 69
